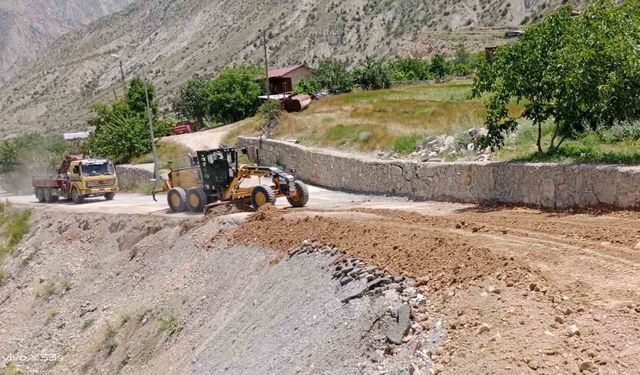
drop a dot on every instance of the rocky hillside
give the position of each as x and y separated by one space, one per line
173 41
28 26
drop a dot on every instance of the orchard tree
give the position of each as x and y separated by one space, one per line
334 76
373 74
193 101
439 67
577 72
233 94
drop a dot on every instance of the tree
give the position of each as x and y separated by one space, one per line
580 73
233 94
136 98
307 86
439 66
372 74
410 69
193 101
334 76
121 130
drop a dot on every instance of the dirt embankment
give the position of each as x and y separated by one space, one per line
519 291
136 294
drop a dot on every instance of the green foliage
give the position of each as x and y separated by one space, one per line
372 74
271 111
334 76
171 325
14 225
581 73
439 67
309 87
406 144
32 149
193 101
12 369
410 69
464 63
121 128
233 94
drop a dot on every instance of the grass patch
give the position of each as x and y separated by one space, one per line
88 324
170 325
14 225
48 290
406 144
168 153
109 343
592 147
247 127
373 120
12 369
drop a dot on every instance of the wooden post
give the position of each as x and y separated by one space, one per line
266 63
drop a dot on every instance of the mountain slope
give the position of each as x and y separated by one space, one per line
27 27
176 40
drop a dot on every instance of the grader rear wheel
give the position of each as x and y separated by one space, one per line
300 195
197 199
177 199
261 195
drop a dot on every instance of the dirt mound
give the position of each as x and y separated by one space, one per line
517 290
265 213
228 208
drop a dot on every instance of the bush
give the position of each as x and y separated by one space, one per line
233 94
373 74
410 69
334 76
439 67
309 87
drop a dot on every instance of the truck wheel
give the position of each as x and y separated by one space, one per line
300 195
109 196
177 199
76 197
48 197
197 199
40 195
261 195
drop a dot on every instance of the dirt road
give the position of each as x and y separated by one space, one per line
202 140
520 290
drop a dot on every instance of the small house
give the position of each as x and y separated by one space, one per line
284 80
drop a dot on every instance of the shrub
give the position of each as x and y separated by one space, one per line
410 69
373 74
334 76
406 144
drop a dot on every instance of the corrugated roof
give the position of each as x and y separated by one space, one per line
281 72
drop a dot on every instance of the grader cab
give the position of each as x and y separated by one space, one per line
216 177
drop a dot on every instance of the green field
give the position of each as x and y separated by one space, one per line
398 118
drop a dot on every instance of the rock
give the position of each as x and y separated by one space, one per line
345 280
587 366
573 330
493 289
377 356
559 319
397 332
483 328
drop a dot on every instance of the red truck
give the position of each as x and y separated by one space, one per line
182 128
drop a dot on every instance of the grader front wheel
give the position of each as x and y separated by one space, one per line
261 195
300 195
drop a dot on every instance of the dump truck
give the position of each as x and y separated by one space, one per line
216 177
78 178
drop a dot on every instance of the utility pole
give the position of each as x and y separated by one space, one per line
156 167
266 62
124 83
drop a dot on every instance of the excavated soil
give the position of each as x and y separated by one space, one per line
520 290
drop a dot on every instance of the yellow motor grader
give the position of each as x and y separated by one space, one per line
216 177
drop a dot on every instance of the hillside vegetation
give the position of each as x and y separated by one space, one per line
173 42
382 119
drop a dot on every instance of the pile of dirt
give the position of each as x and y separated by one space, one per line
138 294
515 290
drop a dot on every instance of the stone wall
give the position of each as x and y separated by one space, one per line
131 177
546 185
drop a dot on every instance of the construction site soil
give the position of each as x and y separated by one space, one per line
520 291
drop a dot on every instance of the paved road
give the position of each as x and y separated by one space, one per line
320 199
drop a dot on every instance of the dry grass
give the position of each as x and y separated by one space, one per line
168 151
379 119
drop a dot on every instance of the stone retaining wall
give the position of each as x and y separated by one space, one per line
130 177
546 185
